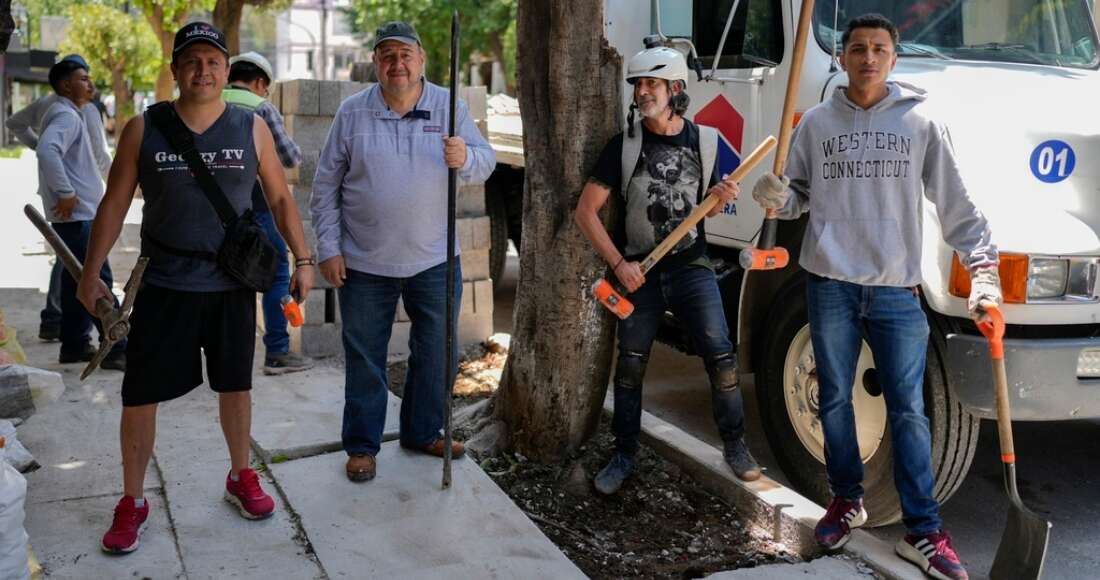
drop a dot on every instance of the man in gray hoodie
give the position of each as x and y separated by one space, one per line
860 164
71 186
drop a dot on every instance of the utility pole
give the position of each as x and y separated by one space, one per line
323 69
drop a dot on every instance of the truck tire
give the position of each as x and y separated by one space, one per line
497 209
787 397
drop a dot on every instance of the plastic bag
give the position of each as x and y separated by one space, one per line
10 350
14 453
13 537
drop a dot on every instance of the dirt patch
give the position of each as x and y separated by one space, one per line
661 524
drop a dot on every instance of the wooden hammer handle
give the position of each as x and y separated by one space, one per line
786 123
708 204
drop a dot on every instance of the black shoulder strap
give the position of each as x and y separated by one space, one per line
165 119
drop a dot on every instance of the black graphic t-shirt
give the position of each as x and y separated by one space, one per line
663 191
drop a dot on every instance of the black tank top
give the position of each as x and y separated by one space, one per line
178 214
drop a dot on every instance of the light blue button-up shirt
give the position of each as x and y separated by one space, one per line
380 192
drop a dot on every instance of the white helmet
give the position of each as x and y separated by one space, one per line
257 59
659 62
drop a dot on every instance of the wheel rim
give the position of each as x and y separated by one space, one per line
800 393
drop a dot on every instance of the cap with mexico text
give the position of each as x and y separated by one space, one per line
396 30
198 32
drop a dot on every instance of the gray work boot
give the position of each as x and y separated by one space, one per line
286 362
611 478
740 459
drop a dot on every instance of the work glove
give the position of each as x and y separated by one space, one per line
985 287
770 191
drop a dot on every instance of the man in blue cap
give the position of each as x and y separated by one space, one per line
25 126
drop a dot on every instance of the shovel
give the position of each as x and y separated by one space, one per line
1023 545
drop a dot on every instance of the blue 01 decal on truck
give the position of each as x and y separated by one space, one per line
1052 161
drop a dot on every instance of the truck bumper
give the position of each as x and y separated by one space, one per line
1042 378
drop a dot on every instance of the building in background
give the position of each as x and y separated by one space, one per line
314 40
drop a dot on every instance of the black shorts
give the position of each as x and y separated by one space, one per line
169 332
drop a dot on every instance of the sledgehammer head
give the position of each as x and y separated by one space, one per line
610 298
757 259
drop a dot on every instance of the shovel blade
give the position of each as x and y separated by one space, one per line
1023 546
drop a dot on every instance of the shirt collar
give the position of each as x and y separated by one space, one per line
383 111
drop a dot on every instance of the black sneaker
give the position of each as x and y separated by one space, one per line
114 361
740 459
85 355
286 362
49 331
611 478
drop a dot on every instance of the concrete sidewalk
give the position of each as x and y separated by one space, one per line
400 525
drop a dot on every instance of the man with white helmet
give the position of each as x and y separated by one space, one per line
250 77
662 167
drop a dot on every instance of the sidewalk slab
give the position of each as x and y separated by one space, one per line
402 525
66 538
820 569
299 414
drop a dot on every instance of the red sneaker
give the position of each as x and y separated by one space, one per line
248 496
126 528
934 554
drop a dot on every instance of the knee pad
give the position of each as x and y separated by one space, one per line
723 372
630 369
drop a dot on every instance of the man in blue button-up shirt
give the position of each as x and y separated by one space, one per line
379 209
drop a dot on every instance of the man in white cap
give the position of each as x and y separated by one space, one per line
250 78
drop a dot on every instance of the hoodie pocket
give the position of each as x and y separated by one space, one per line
860 249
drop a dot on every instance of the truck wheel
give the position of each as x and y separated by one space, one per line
787 394
498 236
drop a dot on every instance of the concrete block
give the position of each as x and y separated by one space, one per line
482 294
304 172
314 307
321 340
300 97
299 415
477 99
483 127
275 96
65 538
330 97
471 201
308 131
302 194
474 328
413 529
475 265
399 340
473 233
349 88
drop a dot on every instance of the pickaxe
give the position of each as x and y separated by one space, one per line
766 256
613 298
115 323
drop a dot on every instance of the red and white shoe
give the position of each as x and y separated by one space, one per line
126 527
934 554
248 496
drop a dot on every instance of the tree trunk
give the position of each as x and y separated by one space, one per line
556 377
496 46
165 84
227 18
124 99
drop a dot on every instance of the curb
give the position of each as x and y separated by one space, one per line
777 511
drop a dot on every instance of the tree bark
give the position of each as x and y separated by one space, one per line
166 84
556 377
227 18
124 98
496 46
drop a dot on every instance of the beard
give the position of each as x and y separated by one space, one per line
653 108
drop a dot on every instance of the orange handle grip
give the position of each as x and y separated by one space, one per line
994 332
293 312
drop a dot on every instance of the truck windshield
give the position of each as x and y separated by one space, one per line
1046 32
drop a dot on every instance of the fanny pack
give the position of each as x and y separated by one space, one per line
246 254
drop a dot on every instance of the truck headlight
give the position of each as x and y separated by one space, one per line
1047 278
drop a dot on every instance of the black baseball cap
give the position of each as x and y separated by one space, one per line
396 30
198 32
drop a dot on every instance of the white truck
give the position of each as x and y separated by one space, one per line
1016 83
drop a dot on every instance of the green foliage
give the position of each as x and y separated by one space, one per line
486 26
172 12
113 42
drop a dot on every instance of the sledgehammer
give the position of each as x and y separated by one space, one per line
765 256
613 298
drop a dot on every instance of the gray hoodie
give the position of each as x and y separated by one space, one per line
862 173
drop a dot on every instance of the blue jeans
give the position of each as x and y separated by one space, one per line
842 314
691 293
51 314
368 304
276 338
76 322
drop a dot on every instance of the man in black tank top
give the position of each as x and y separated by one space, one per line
187 306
